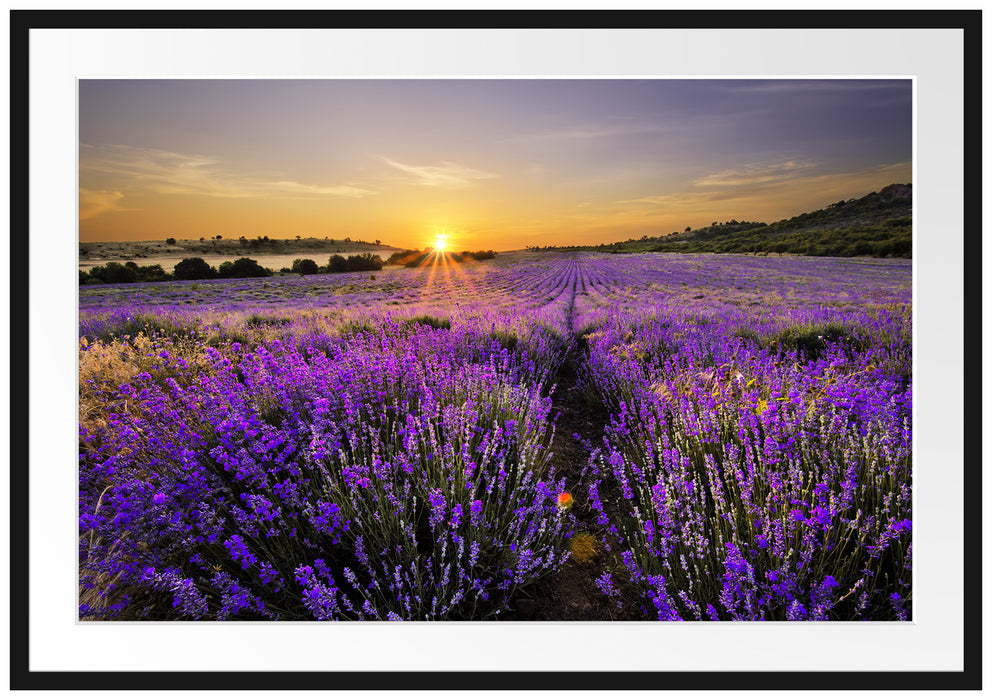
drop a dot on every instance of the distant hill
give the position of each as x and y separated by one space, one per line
880 224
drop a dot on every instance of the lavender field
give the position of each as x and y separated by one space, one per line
381 446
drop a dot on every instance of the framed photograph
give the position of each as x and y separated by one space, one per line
630 355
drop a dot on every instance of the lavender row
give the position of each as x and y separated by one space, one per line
396 471
343 447
767 467
527 284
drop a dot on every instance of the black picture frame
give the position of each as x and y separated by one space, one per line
21 675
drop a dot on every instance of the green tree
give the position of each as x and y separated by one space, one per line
114 273
305 266
243 267
364 262
193 269
152 273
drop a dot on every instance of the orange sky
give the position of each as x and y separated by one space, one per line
494 163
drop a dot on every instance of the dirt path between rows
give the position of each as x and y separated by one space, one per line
571 592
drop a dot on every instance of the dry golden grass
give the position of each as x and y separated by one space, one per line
106 365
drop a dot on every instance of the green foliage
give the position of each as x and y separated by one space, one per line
115 273
305 267
508 339
402 257
260 321
419 261
337 263
193 269
242 267
362 326
151 273
364 263
354 263
467 255
809 341
432 321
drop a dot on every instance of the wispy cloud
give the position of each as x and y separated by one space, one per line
288 188
735 183
691 200
446 175
589 132
128 170
755 174
740 192
95 202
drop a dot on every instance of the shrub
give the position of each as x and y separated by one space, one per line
432 321
242 267
193 269
337 263
260 321
403 257
305 267
354 263
152 273
364 262
478 255
114 273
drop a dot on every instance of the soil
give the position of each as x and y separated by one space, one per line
571 593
